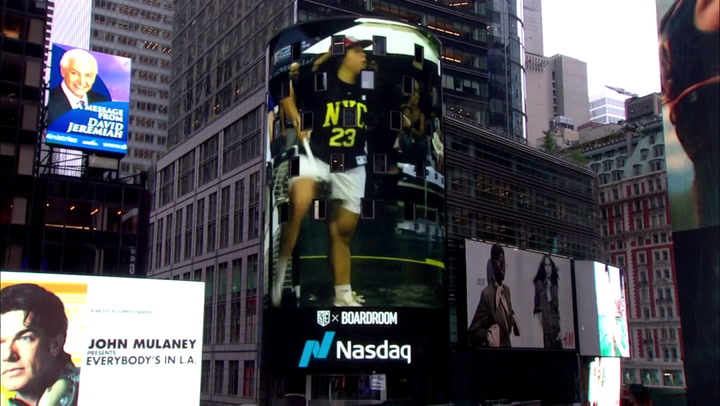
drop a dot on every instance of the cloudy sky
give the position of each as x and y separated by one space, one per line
616 38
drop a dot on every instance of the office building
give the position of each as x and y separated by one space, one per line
557 96
608 106
637 236
141 31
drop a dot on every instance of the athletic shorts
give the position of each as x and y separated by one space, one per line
348 186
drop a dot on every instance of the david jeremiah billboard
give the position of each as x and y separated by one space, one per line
89 100
81 340
355 227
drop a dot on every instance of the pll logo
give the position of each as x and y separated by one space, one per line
324 317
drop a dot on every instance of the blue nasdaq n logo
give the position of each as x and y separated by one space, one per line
314 349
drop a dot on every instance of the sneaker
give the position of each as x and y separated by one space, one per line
353 300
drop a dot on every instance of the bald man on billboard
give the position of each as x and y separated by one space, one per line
78 69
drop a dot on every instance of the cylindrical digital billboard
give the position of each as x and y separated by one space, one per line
355 225
89 100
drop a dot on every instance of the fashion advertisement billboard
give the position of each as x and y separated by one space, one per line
70 339
602 310
689 48
88 105
355 184
517 298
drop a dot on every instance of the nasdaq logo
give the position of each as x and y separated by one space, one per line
315 349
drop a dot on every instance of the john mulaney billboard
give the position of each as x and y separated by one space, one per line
71 340
356 189
89 100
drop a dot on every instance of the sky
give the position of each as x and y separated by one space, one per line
616 38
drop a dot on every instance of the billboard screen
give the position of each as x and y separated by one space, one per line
71 340
356 191
518 298
604 382
602 310
689 47
89 100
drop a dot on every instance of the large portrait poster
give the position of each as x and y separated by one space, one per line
531 308
91 340
89 100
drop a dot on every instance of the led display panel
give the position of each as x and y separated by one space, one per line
602 310
604 382
91 340
89 100
355 151
518 299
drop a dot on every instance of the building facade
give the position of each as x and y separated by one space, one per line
23 40
637 236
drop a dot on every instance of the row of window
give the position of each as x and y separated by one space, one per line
147 122
517 232
653 377
205 224
658 255
241 144
233 377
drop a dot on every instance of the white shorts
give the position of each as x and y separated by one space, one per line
348 186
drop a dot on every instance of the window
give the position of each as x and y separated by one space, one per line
662 312
670 312
236 302
646 312
200 228
225 217
645 293
218 377
187 173
188 231
168 238
254 208
641 258
239 215
234 378
208 160
158 245
208 317
212 219
251 299
221 302
178 235
249 378
167 184
205 376
656 165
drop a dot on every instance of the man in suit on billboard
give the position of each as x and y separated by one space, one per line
35 365
494 317
78 69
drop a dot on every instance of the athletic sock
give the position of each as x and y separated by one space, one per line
343 292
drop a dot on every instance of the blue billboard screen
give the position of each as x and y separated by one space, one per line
89 100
